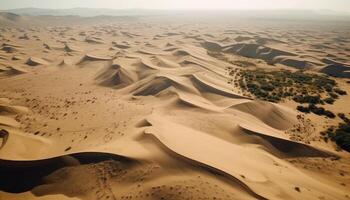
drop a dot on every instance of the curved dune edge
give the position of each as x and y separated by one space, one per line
7 113
265 175
207 65
12 70
94 40
5 108
34 61
271 114
166 63
29 174
115 75
66 47
287 148
85 156
71 48
197 101
35 148
29 195
9 49
8 121
162 81
90 57
207 86
204 103
176 155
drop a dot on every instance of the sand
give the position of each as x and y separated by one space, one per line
117 108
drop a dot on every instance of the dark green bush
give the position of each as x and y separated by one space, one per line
307 99
303 109
316 110
329 100
342 136
329 114
267 87
344 118
280 84
340 92
320 111
333 95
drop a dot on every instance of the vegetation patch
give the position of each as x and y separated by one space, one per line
340 134
309 90
299 86
316 110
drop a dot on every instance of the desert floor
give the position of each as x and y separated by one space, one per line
138 109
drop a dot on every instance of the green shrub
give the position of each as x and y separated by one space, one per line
307 99
329 114
333 95
342 136
344 118
340 92
303 109
280 84
267 87
321 111
329 100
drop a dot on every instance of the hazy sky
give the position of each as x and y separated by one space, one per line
337 5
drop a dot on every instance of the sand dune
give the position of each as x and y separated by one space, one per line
116 75
11 70
283 147
66 48
146 109
270 55
10 19
10 48
219 159
34 61
270 114
120 46
94 40
90 57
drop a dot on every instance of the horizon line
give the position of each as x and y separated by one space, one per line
183 9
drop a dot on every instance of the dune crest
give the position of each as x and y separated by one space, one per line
34 61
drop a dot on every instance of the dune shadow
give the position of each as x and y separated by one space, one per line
22 176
